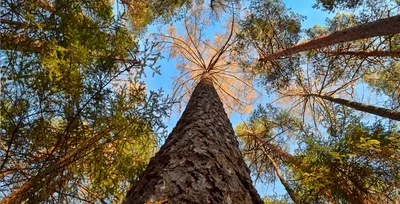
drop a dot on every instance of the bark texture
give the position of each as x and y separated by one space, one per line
381 27
383 112
200 161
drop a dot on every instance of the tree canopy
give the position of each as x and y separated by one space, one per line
320 105
77 121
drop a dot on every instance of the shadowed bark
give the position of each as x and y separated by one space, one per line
381 27
200 161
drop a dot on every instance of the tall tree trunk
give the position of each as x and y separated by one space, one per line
381 27
284 156
367 53
285 184
383 112
200 161
287 158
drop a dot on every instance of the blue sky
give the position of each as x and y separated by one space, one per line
168 70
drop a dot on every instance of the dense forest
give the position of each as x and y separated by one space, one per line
319 106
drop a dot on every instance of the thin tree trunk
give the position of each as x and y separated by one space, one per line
289 189
282 153
367 53
381 27
383 112
287 158
30 187
200 161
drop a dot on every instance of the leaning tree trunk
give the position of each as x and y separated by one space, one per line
383 112
284 155
200 161
285 184
367 53
47 175
381 27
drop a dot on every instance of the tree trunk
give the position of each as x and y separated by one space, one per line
284 155
383 112
367 53
285 184
200 161
46 176
381 27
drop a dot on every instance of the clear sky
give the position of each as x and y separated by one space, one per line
168 70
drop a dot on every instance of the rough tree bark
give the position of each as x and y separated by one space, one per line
381 27
383 112
200 161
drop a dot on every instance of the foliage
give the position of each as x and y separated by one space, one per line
386 81
338 159
144 12
266 132
362 165
79 125
198 55
349 162
276 200
72 73
267 28
325 72
334 4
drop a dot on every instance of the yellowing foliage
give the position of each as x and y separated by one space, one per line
198 56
